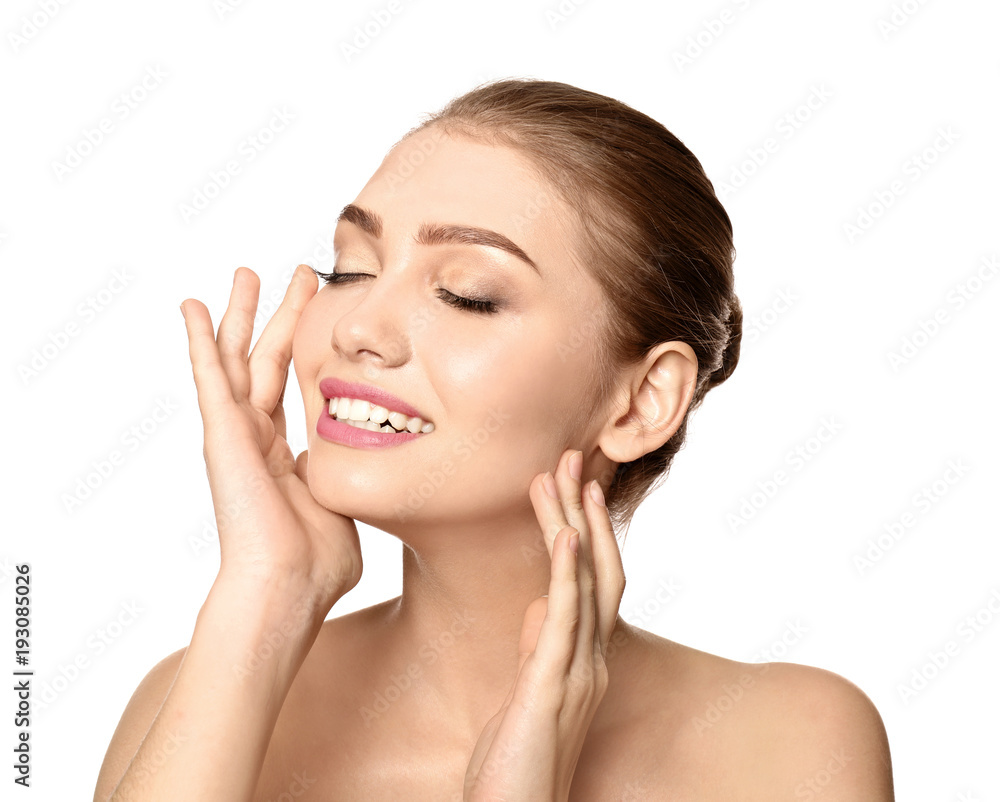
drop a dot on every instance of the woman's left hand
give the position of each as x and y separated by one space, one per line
529 750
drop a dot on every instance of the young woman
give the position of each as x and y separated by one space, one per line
530 296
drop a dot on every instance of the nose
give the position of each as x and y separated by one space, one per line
373 332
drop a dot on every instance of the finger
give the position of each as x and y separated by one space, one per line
609 573
215 395
302 467
552 515
531 627
272 354
556 646
568 484
236 330
567 474
548 510
278 418
528 642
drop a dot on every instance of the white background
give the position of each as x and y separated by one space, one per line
825 309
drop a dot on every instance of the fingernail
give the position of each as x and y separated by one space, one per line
183 313
596 493
576 465
550 485
574 541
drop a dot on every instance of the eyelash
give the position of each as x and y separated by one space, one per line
480 306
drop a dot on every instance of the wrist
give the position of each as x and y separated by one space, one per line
258 611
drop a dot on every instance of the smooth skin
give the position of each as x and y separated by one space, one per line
542 692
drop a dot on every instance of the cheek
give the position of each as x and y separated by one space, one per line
529 378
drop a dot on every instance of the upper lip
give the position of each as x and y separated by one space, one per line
331 387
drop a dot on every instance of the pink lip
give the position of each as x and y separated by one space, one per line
335 388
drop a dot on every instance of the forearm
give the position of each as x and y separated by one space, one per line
209 739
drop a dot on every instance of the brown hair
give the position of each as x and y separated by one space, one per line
655 237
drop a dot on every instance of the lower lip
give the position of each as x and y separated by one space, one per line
329 428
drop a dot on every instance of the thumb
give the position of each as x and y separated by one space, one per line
530 628
302 466
533 618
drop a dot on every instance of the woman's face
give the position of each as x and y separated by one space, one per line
506 392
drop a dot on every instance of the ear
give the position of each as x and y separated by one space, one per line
654 398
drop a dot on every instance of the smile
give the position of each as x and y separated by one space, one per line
375 418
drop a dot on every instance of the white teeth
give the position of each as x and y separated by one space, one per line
364 415
360 410
398 420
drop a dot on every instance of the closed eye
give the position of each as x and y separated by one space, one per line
480 305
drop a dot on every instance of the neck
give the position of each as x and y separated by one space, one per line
453 634
461 610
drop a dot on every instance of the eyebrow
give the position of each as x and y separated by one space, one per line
438 233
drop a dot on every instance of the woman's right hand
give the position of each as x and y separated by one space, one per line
273 534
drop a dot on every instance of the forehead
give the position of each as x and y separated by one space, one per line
433 177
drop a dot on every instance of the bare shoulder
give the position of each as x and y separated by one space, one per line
813 731
135 721
752 730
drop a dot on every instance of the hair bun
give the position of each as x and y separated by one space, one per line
731 353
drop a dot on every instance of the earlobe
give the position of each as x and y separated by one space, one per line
655 397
